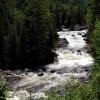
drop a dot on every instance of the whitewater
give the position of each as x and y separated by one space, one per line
73 62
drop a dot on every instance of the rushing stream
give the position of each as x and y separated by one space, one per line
73 61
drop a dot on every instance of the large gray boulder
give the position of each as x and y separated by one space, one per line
62 42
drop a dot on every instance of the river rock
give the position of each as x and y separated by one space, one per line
60 91
83 79
89 50
73 35
79 33
86 68
18 72
40 73
53 71
56 60
86 39
78 50
26 70
62 42
64 70
30 74
84 35
61 71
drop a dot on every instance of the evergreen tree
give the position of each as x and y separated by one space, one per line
2 57
11 50
91 15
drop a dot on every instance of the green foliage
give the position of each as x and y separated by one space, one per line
78 91
2 91
68 12
28 32
95 40
90 17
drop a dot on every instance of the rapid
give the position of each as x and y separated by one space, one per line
73 62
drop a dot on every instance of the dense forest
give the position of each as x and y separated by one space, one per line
68 12
28 29
28 32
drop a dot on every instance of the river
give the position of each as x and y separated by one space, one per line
73 62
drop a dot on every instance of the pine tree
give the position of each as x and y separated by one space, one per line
11 50
2 57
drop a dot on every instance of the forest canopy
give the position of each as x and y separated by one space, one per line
28 29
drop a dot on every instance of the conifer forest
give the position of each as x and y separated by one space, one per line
49 49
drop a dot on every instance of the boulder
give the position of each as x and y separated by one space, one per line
86 39
18 72
85 35
26 70
40 73
62 42
62 28
86 68
73 35
53 71
63 70
78 50
60 71
79 33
